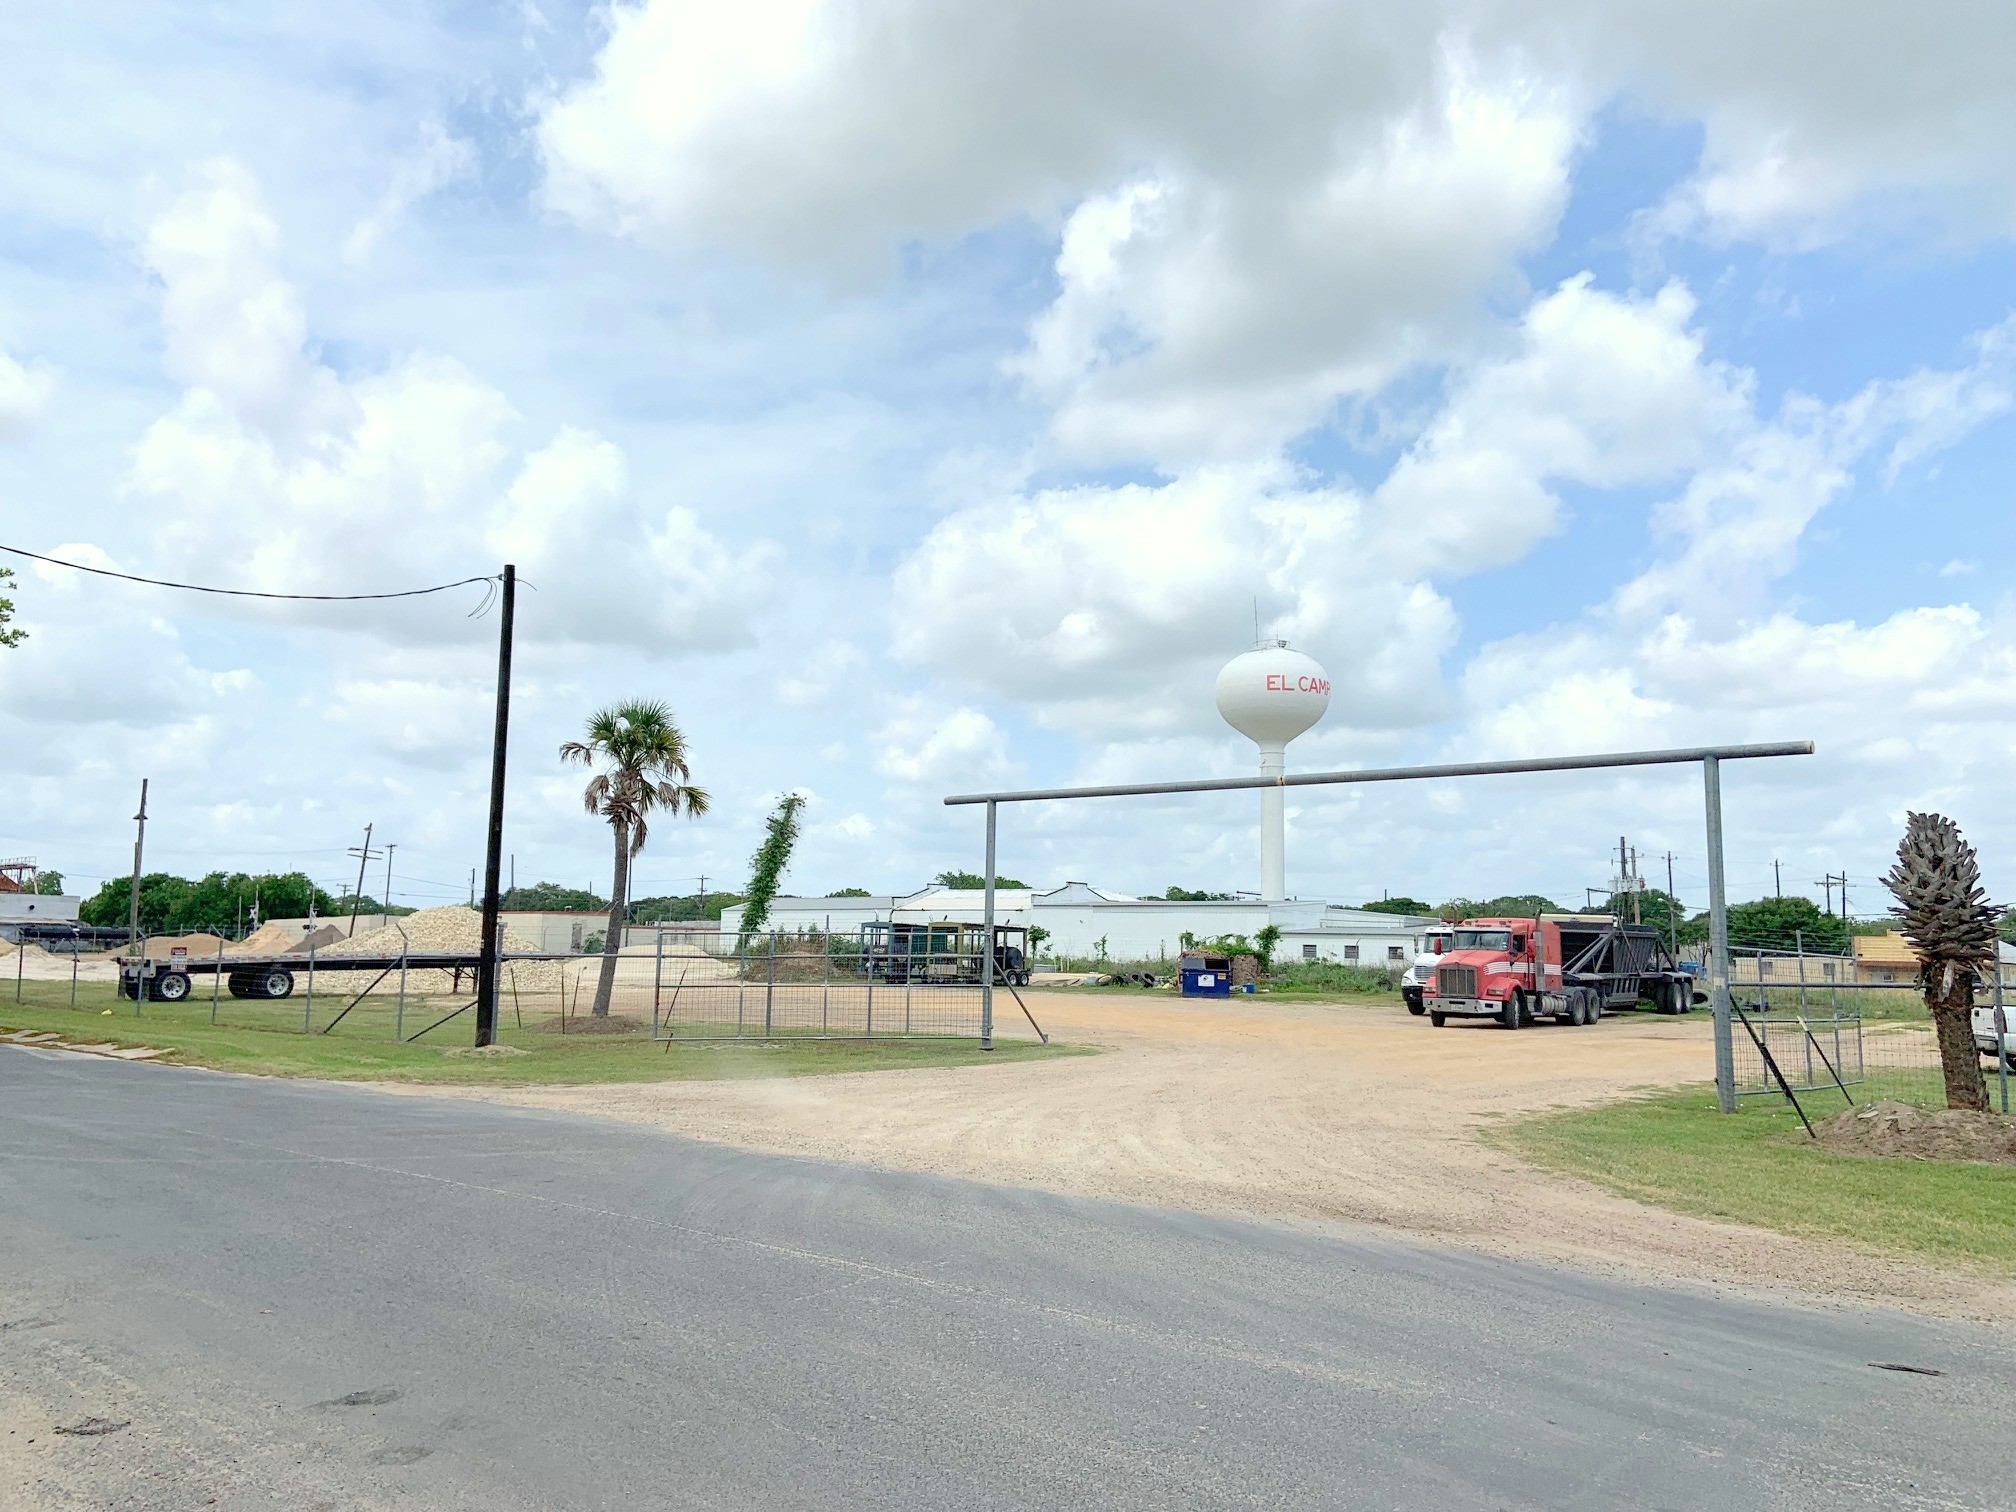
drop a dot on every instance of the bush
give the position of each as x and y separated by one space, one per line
1336 976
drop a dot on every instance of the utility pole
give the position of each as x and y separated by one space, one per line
472 887
1842 878
1777 877
1828 883
493 855
514 872
703 895
139 843
387 904
1637 893
1672 910
364 854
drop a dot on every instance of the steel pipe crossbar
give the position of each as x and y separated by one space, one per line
1403 774
1708 758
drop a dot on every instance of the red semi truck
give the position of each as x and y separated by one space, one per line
1572 968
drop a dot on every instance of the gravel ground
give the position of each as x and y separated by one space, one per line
1320 1113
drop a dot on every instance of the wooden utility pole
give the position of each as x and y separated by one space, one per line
493 855
1672 910
364 855
139 844
1777 877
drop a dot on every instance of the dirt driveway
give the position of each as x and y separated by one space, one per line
1283 1111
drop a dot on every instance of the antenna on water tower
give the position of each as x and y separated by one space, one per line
1270 695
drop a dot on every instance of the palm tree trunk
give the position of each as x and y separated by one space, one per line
1952 1006
612 940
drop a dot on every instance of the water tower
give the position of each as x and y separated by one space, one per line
1270 695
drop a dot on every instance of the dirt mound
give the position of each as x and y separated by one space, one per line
486 1052
1899 1130
587 1023
268 939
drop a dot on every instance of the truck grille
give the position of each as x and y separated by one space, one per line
1456 981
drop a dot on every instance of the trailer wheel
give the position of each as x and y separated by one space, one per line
274 982
1595 1006
172 986
1513 1014
1438 1019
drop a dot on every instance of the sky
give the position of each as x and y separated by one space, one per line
923 398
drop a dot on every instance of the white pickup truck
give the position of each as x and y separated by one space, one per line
1984 1032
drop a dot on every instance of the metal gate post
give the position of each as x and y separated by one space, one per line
657 981
308 1010
73 973
2001 1022
987 946
216 982
1718 940
770 986
399 1023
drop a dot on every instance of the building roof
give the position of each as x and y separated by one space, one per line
1888 949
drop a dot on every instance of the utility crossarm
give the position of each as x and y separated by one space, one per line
1403 774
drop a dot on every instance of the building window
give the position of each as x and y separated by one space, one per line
1763 966
1308 952
1350 952
1394 953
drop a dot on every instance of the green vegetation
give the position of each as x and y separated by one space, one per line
1675 1150
10 634
551 897
1189 895
973 881
766 867
219 903
49 884
851 892
278 1048
1332 979
1506 906
1402 905
682 910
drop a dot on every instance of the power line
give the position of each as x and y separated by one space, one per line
323 598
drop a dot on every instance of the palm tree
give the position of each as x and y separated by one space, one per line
1937 883
644 756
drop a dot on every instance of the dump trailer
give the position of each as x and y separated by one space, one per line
1573 968
945 951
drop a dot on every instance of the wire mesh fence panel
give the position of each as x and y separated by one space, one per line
826 987
1874 1036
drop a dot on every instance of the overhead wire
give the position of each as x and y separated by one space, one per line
320 598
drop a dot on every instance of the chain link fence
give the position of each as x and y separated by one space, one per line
755 987
1828 1032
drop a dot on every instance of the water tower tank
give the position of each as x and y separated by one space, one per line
1270 695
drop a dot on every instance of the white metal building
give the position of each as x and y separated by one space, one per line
1083 920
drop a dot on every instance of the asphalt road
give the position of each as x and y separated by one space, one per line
305 1295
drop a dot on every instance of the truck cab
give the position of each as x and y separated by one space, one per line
1413 982
1489 971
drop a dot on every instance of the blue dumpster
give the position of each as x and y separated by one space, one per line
1206 975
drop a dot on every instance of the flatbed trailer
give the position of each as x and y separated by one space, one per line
167 979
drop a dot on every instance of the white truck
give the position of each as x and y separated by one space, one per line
1434 945
1984 1033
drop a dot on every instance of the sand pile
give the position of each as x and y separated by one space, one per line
161 947
1896 1129
441 929
268 939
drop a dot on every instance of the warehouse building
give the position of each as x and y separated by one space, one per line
1083 920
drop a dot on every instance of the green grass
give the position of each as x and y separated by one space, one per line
276 1047
1674 1150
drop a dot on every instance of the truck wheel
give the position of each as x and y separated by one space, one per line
1594 1009
172 986
1416 1007
1438 1019
1513 1014
276 982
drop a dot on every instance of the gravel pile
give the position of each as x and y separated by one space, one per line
446 929
1899 1130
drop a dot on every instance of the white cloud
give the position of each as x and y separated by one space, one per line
921 745
394 479
24 393
1958 568
438 160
